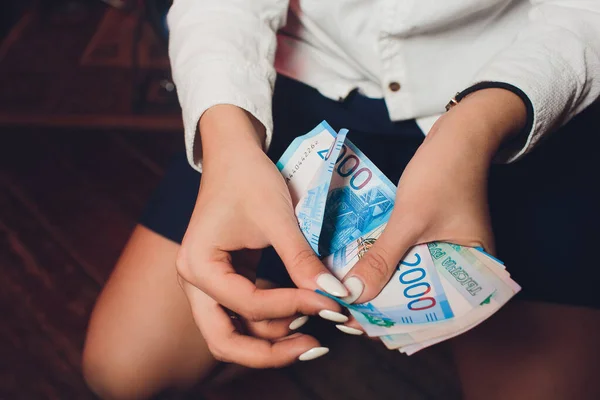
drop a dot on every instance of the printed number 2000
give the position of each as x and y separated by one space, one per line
414 277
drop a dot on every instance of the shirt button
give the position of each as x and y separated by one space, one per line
394 86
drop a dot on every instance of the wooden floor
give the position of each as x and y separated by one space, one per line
70 63
68 201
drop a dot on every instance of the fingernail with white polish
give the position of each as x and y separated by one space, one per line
331 285
298 322
348 330
333 316
313 353
356 287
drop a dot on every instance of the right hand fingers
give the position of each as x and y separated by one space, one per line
228 345
215 276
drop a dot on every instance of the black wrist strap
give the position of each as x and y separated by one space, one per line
499 85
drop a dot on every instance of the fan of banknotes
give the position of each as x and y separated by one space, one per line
343 202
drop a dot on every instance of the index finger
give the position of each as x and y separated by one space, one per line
219 280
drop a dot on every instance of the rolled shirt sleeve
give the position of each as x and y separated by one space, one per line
555 61
222 52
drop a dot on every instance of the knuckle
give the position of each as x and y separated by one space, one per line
299 298
302 258
377 267
182 264
268 330
252 314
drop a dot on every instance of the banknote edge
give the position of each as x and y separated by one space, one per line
323 125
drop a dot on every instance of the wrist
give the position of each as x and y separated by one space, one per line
495 114
227 128
499 112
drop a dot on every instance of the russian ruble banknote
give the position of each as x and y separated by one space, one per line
452 258
343 202
358 198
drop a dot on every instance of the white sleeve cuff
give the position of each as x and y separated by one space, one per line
555 89
223 82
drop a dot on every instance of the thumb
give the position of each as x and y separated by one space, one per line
301 262
375 268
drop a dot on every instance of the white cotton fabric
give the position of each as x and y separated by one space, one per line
228 52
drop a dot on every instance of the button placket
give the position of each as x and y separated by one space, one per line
389 51
396 91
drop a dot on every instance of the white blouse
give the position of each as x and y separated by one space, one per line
416 54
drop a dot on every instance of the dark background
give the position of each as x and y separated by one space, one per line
88 122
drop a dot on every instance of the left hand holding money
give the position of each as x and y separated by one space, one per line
442 195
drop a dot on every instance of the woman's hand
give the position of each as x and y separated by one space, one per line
243 203
442 194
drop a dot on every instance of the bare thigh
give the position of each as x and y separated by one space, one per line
532 351
141 337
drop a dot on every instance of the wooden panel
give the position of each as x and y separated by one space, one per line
48 78
85 219
45 301
153 150
109 121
